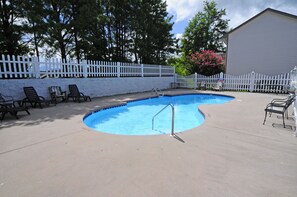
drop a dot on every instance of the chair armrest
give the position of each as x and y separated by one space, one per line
6 98
8 105
82 94
277 100
271 105
41 97
53 94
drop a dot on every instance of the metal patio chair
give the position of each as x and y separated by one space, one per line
279 106
56 94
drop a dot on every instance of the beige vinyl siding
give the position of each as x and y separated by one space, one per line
267 44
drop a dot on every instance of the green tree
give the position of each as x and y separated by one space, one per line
91 24
58 17
35 26
128 30
205 30
181 65
152 40
87 28
11 28
116 17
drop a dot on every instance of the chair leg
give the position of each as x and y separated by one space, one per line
3 115
265 117
14 114
284 121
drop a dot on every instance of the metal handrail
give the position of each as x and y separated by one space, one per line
156 91
172 122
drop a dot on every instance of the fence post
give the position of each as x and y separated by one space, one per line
142 70
160 71
252 81
118 69
195 81
36 68
221 76
84 65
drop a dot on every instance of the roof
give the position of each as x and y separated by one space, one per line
264 11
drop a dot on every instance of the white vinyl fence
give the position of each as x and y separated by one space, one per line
15 67
252 82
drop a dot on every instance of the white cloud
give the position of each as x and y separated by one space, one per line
237 18
238 11
184 9
178 36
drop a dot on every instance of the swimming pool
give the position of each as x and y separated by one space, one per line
135 117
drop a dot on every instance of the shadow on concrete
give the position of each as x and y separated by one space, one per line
68 110
178 138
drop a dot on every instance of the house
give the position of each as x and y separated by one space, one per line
266 43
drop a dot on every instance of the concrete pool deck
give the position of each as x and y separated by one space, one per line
52 153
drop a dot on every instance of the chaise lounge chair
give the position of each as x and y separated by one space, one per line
7 105
33 98
279 106
56 94
5 99
4 109
76 95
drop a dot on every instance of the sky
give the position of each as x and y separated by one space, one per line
237 11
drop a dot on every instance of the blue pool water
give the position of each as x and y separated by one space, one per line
135 118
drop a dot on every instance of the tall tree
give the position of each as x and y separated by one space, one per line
205 30
35 26
151 32
11 28
91 24
118 15
58 16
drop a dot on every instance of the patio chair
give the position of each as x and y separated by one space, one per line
9 101
202 85
12 109
76 95
279 106
33 98
56 94
5 99
219 86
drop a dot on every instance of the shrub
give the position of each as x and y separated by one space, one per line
206 62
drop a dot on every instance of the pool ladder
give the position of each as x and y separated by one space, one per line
156 91
172 121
